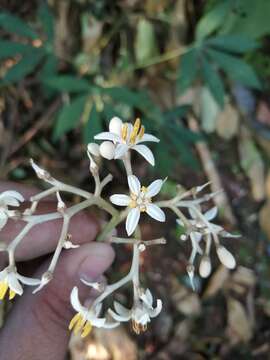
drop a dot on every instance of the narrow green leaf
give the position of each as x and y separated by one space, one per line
213 81
46 18
14 24
93 125
69 116
24 67
233 43
49 69
67 83
187 70
145 42
212 20
237 69
10 48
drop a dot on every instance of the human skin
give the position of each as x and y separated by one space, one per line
37 326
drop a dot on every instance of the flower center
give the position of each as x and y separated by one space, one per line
138 328
141 201
137 132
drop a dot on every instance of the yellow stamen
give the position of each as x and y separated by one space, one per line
143 208
141 133
74 320
132 204
79 325
124 131
135 131
12 294
3 289
138 328
87 329
144 189
133 196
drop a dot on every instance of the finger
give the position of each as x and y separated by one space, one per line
38 325
43 238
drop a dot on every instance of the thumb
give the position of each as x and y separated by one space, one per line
37 327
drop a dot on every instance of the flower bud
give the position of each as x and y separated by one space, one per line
225 257
107 150
205 267
93 148
115 125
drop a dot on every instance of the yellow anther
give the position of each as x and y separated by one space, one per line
79 325
12 294
136 128
144 189
141 133
3 289
143 208
133 204
138 328
86 330
124 131
133 196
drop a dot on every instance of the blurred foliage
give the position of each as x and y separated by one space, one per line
102 77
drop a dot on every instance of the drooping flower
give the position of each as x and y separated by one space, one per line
139 200
8 198
11 280
126 136
86 318
141 312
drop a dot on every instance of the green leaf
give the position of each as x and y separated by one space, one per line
67 83
69 116
13 24
49 69
212 20
10 48
145 42
233 43
46 18
213 81
209 110
93 125
24 67
127 96
236 69
187 70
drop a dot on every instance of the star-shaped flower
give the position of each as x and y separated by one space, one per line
126 137
86 318
139 200
8 198
141 312
10 279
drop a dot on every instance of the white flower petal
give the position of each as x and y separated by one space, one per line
3 219
134 184
115 125
155 312
12 193
120 150
146 153
14 284
147 298
120 309
211 213
155 212
120 199
120 318
28 281
132 220
110 325
96 322
205 267
154 188
3 274
148 137
107 136
75 302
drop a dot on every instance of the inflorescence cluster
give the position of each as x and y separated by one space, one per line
117 143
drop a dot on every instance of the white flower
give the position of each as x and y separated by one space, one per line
139 200
141 312
8 198
86 318
127 136
10 279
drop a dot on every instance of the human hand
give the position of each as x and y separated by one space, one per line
37 326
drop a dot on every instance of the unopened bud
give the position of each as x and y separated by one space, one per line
93 149
115 125
46 278
41 173
107 150
141 247
61 206
205 267
69 245
183 237
225 257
